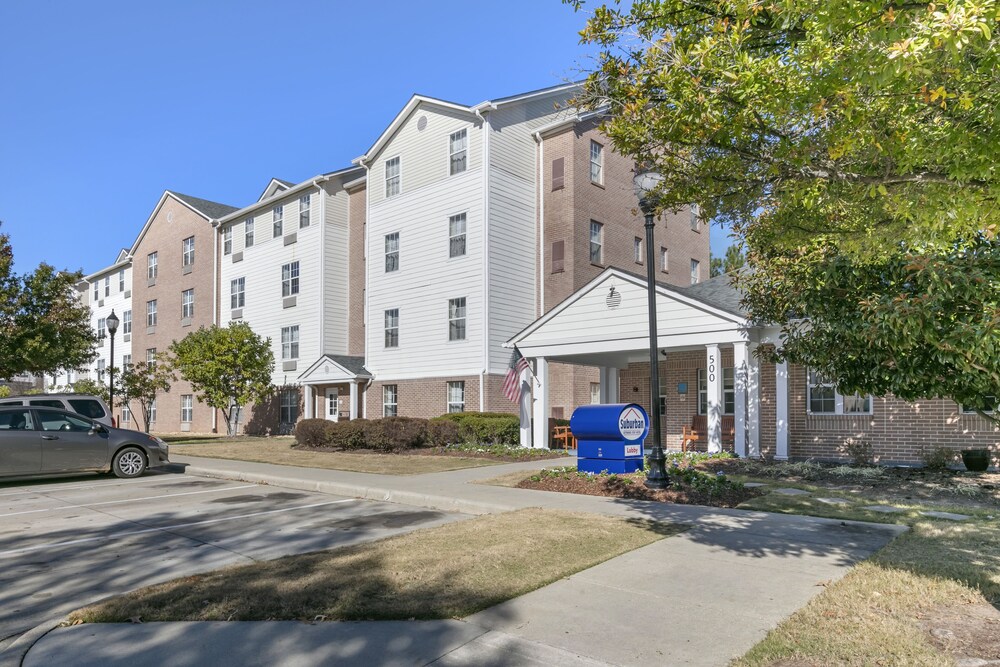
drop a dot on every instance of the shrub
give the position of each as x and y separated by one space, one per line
859 451
393 434
347 435
312 433
443 432
937 458
488 428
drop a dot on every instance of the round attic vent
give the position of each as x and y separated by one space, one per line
614 298
170 216
422 123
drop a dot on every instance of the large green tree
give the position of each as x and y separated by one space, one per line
852 146
229 367
44 327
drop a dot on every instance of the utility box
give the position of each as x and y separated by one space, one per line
609 437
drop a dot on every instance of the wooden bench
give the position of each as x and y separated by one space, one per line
698 431
563 438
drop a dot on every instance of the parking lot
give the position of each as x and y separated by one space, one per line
70 541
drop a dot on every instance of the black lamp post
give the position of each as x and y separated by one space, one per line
112 324
645 185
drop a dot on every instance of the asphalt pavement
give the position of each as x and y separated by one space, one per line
702 597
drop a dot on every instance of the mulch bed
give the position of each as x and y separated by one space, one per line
633 489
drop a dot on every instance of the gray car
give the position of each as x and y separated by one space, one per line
37 440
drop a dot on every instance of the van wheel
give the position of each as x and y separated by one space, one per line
129 462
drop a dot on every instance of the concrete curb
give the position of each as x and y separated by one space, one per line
13 655
443 503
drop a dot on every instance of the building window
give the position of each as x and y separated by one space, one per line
248 233
151 265
237 296
456 396
392 328
187 408
151 313
277 221
457 151
102 328
695 218
663 405
290 279
392 177
596 242
126 322
97 290
695 271
595 393
456 235
304 206
822 398
126 414
637 250
151 357
392 252
289 406
187 303
390 401
596 163
121 280
728 392
456 319
987 405
664 257
101 365
152 411
107 285
187 251
290 343
126 360
227 241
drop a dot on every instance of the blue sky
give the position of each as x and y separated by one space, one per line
106 104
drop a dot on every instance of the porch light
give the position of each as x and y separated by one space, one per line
646 185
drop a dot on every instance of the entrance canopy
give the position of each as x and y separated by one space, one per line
329 372
606 324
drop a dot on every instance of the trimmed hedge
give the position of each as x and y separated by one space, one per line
393 434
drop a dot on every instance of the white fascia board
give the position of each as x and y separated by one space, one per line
337 372
97 275
276 184
543 92
356 183
636 344
401 117
265 203
433 375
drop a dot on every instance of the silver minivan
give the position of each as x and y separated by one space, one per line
91 407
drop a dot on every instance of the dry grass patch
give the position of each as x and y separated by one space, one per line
279 451
888 610
510 479
449 571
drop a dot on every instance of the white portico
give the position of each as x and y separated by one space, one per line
333 387
605 324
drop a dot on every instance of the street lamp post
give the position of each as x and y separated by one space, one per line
645 184
112 324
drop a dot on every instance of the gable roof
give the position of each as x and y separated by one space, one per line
238 213
345 368
209 210
274 186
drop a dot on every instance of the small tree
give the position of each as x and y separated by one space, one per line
86 386
142 382
229 367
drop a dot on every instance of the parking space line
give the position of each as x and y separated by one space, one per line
72 487
105 538
129 500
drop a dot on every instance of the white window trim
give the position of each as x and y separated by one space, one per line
277 221
293 280
464 319
187 307
249 233
395 400
599 243
386 328
447 396
187 254
464 235
292 340
227 241
599 163
307 199
239 295
386 253
398 177
838 401
452 154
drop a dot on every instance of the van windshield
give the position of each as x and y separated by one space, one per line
87 407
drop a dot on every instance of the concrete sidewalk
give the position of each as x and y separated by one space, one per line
699 598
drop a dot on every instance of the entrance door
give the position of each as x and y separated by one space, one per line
333 404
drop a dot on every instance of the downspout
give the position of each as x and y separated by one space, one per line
486 257
540 266
322 267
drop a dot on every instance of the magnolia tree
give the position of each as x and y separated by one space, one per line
852 147
44 327
141 383
229 367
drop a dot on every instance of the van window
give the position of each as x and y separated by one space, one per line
17 402
87 407
47 403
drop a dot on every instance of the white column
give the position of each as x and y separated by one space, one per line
605 389
540 405
713 372
354 399
525 408
613 382
781 410
310 401
740 406
753 403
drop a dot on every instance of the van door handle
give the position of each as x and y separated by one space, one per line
50 437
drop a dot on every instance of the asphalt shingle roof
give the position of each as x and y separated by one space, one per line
355 365
212 209
719 292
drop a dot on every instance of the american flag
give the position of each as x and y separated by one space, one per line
512 383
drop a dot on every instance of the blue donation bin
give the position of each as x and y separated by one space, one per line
609 437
